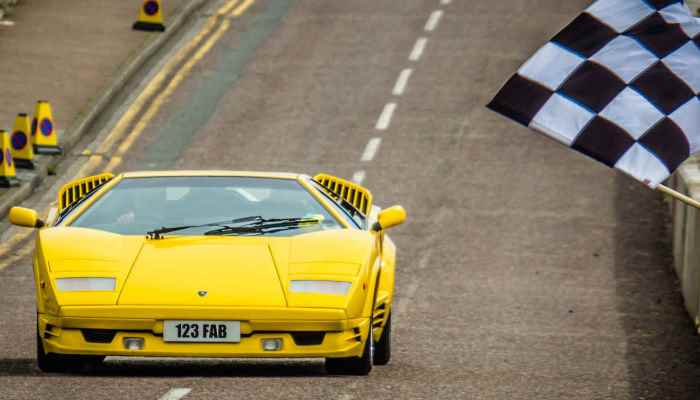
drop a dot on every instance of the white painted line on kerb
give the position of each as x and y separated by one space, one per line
445 2
385 119
433 21
371 149
418 49
176 394
401 83
358 177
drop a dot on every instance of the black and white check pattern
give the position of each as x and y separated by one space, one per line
619 84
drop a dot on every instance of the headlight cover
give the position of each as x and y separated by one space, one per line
86 284
320 287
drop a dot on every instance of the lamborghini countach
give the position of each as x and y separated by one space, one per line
213 264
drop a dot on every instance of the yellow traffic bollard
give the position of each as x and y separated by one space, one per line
7 166
44 135
150 17
21 144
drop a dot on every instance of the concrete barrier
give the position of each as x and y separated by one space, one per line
686 236
686 226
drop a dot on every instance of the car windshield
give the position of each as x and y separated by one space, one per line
139 205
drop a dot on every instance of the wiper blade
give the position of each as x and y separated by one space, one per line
158 233
265 226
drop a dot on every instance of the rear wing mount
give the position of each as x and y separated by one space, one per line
74 191
357 196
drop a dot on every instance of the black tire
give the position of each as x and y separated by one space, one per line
353 365
48 362
382 350
59 363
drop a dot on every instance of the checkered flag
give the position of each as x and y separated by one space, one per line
619 84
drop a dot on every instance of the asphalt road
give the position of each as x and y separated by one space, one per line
525 271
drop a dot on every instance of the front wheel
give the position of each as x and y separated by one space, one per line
49 362
382 351
353 365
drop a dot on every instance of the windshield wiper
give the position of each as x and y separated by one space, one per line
264 226
158 233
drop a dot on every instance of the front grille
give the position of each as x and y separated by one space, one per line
98 335
308 338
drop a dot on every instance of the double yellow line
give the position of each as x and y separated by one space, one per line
193 52
233 8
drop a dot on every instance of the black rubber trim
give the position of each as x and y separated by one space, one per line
148 27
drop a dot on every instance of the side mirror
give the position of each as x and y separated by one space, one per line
25 217
390 217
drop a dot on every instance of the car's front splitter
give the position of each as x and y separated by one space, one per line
348 342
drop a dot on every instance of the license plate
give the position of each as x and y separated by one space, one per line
202 331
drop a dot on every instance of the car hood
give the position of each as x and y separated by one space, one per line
198 270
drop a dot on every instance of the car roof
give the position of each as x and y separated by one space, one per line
251 174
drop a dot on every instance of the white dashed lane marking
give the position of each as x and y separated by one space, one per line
433 21
418 49
176 394
358 177
371 149
384 122
401 83
385 119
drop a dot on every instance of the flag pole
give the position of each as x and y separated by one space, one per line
678 196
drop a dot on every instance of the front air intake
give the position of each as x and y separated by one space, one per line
308 338
98 335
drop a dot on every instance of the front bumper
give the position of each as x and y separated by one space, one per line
341 337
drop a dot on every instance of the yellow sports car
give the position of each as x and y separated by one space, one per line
214 264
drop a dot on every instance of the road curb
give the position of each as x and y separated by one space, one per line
82 124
